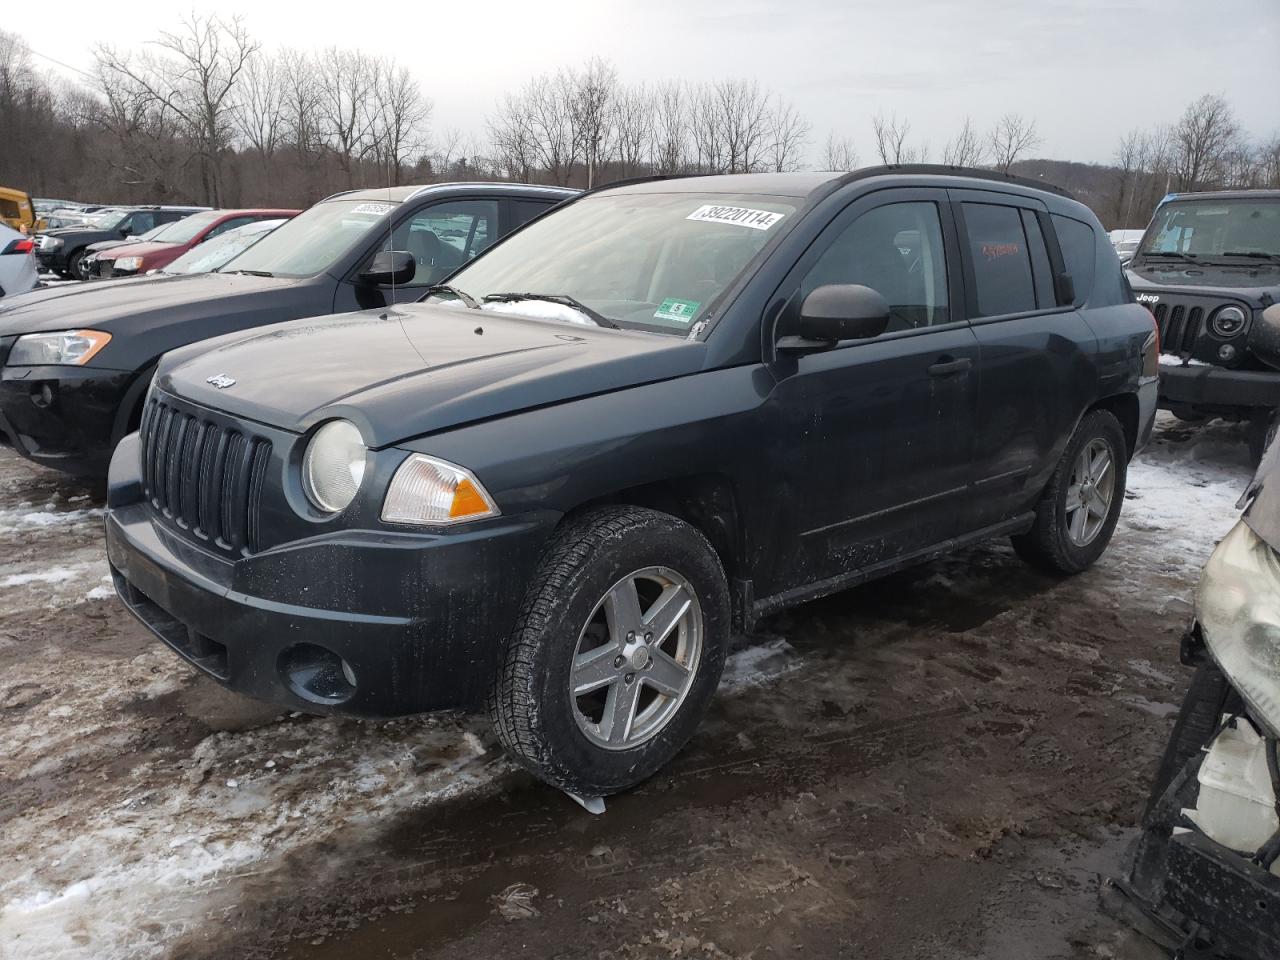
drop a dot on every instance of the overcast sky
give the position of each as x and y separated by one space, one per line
1086 70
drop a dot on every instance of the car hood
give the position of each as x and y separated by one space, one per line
131 306
106 245
140 249
417 369
1258 285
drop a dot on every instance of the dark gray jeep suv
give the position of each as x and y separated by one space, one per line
553 488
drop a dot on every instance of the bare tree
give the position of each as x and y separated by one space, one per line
402 115
591 107
346 91
1012 137
194 75
966 149
891 140
788 136
1205 134
838 153
634 114
670 152
259 111
1269 162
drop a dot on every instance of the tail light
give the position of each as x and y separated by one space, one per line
23 245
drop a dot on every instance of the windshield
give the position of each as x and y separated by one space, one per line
644 261
1215 228
212 254
313 240
185 230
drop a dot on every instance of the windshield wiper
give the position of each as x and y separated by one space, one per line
462 295
562 298
1255 254
1171 255
254 273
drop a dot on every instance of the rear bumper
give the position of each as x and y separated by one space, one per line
62 417
417 619
1207 386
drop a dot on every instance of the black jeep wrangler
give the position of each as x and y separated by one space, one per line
1208 267
552 489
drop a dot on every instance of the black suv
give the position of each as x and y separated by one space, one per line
63 249
1208 267
76 360
661 412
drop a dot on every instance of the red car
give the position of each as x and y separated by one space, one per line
130 259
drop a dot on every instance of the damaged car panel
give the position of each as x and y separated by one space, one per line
552 489
1206 870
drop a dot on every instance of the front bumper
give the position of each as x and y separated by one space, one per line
53 260
418 619
1218 387
62 417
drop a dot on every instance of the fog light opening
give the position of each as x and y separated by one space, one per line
1226 352
316 674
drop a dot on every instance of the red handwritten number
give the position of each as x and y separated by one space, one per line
993 251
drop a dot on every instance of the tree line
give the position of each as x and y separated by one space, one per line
204 114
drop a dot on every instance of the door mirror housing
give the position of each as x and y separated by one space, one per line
835 312
388 268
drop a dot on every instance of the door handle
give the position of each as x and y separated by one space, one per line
945 367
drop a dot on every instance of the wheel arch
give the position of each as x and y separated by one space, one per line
1124 407
129 413
707 502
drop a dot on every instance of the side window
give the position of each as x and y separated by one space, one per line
9 209
522 211
444 236
1041 271
897 250
226 225
142 221
1001 265
1078 253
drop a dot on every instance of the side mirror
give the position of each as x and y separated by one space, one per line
389 267
835 312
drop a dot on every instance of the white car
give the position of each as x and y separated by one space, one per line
17 262
1126 243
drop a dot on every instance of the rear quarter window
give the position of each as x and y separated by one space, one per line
1079 253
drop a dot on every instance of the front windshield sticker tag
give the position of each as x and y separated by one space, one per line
377 209
677 311
739 216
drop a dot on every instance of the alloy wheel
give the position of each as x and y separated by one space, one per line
1090 492
636 658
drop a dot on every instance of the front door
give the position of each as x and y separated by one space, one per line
441 236
874 447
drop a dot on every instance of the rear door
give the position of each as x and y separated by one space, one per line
1036 368
873 437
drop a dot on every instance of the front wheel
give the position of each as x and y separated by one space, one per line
1078 510
75 266
617 651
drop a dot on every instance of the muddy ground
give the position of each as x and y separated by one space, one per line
939 765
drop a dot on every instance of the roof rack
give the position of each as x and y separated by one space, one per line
944 170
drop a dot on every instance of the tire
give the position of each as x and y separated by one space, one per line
540 722
73 265
1051 543
1261 431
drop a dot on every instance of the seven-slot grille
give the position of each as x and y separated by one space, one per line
204 477
1180 326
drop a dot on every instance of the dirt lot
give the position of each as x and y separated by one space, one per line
939 765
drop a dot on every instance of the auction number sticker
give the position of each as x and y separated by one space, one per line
377 209
677 311
738 216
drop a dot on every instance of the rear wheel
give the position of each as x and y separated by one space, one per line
1078 510
617 651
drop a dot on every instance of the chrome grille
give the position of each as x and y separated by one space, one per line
203 477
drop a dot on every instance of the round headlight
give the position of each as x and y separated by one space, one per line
1228 321
333 466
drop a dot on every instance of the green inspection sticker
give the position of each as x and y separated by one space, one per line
678 311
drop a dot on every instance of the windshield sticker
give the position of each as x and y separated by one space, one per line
677 311
738 216
377 209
